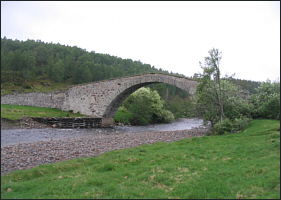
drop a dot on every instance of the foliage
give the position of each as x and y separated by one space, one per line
231 126
181 107
267 101
123 116
209 90
30 58
246 85
219 100
245 165
147 107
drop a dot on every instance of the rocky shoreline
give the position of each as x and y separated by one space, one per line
28 155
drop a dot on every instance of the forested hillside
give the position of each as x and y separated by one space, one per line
64 63
38 66
25 64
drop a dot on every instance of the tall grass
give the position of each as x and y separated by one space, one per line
15 112
242 165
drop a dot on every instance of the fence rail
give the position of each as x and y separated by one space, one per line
77 122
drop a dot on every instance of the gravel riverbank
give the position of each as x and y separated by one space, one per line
27 155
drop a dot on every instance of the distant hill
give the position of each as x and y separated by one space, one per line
38 66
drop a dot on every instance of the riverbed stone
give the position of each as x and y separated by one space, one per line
25 154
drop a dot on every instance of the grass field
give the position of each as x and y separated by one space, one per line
242 165
15 112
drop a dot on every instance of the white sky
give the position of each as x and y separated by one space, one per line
172 35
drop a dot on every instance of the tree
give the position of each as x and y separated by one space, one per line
58 71
147 107
267 100
69 63
209 90
218 99
28 65
50 65
82 74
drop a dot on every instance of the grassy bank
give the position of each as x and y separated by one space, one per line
242 165
122 115
15 112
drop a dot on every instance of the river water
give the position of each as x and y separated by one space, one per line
16 136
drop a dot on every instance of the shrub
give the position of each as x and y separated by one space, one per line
165 116
231 126
146 106
240 123
224 126
267 101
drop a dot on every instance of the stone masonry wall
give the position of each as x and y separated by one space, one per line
100 99
54 99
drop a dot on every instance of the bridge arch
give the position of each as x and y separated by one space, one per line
99 99
188 85
119 99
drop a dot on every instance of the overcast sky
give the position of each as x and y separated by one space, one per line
171 35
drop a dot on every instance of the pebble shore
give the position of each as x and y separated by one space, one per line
28 155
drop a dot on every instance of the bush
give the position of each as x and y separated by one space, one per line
267 101
123 116
224 126
240 123
146 107
165 116
228 126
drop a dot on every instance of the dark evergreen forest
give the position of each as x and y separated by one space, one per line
26 61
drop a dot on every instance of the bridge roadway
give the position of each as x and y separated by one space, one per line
98 99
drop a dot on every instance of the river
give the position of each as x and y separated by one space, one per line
16 136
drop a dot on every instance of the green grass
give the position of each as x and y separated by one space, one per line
242 165
123 115
15 112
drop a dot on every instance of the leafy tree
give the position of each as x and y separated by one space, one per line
181 107
82 74
69 63
41 54
147 107
28 68
58 71
4 61
50 65
267 100
219 100
209 90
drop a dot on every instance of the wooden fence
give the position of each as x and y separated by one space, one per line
71 122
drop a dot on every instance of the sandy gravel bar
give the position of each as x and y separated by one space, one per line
28 155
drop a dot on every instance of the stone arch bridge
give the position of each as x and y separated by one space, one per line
98 99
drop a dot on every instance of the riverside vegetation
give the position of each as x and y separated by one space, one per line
242 165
